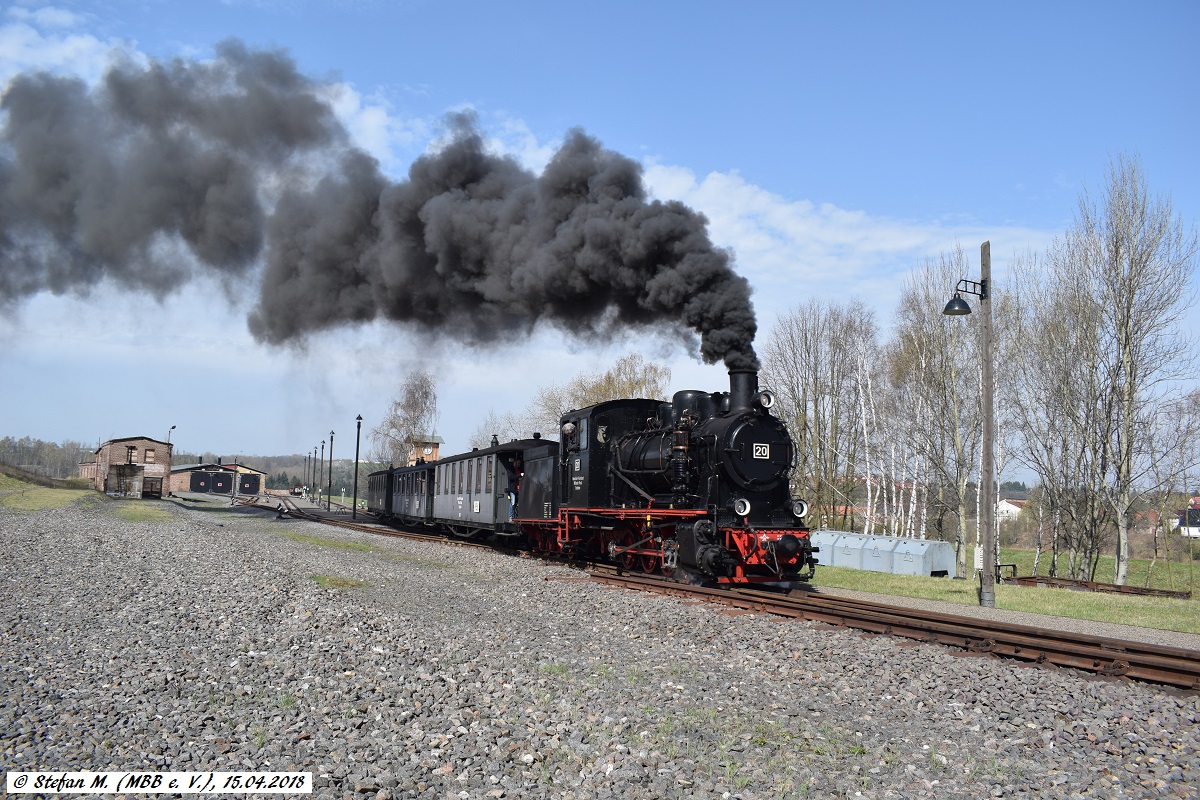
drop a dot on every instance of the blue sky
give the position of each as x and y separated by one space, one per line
832 146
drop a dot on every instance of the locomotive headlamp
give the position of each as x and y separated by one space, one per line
799 509
741 506
766 398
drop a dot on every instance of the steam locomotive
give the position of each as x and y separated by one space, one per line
695 489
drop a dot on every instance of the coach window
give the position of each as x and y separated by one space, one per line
488 486
462 468
470 465
478 475
437 480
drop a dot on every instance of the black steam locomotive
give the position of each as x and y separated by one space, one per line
696 488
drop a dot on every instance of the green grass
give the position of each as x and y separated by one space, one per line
1147 612
142 511
38 498
335 582
321 542
1178 578
8 483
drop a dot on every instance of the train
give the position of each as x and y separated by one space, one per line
696 489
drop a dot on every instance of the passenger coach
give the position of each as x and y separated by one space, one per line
468 494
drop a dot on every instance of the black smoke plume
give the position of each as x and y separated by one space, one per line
104 183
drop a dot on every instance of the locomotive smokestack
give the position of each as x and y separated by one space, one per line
743 386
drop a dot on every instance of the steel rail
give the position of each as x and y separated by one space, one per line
1116 658
1161 664
1046 582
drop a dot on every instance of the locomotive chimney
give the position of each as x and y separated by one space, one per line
743 386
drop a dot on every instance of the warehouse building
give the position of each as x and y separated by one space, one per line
230 479
135 466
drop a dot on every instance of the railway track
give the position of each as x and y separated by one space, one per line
1112 658
289 507
1171 666
1044 582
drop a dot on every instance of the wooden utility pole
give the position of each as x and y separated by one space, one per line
987 481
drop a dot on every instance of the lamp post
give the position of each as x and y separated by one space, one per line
320 473
169 433
306 468
357 440
329 494
313 483
987 481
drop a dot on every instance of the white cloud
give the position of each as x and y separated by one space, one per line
793 249
513 137
41 39
374 128
46 16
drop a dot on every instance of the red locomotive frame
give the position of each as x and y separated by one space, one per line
643 539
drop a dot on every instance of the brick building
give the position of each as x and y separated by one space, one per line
135 466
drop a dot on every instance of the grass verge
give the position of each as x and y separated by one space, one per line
1146 612
321 542
37 498
335 582
142 511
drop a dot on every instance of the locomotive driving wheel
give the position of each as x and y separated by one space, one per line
649 562
627 560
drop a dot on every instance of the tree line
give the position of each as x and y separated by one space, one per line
1094 388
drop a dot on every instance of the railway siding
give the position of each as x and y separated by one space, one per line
203 642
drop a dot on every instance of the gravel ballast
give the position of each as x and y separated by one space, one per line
204 642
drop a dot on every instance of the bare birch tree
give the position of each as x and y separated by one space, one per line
936 357
631 376
504 427
411 418
813 362
1104 356
1139 265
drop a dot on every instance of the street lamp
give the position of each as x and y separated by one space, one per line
169 433
987 480
329 496
320 473
357 439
